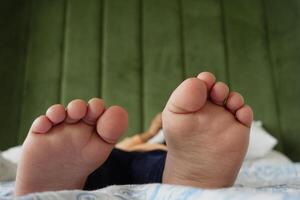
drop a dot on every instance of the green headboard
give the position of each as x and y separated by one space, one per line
135 52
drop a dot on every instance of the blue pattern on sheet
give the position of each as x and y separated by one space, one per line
257 182
155 192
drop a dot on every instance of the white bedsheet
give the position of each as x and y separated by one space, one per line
169 192
271 177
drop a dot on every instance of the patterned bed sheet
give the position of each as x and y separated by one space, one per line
279 181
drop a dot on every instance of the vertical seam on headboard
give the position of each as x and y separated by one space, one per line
63 50
182 40
101 49
141 46
271 66
27 47
223 28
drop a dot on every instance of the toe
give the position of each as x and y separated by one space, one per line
208 78
56 114
219 93
41 125
245 115
188 97
76 110
95 108
234 101
112 124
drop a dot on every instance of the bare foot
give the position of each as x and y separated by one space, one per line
64 146
206 139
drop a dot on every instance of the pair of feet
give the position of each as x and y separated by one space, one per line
207 139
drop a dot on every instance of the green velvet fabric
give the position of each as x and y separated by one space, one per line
135 52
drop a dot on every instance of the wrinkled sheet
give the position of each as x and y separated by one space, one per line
277 181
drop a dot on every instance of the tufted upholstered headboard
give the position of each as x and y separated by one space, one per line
134 53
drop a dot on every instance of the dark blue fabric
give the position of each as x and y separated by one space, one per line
124 167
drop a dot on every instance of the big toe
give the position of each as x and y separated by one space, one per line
188 97
112 124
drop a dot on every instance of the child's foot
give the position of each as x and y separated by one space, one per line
207 131
64 146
